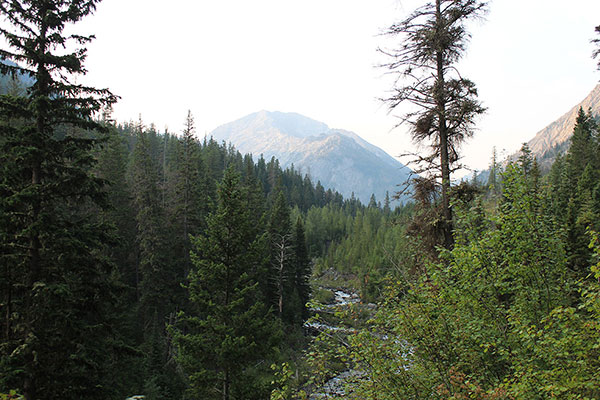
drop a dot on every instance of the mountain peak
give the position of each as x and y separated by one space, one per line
340 159
289 123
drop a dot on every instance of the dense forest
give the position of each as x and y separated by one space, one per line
135 262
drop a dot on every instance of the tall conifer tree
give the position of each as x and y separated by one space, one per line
302 270
434 38
152 263
574 180
229 331
54 331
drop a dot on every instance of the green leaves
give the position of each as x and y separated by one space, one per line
499 317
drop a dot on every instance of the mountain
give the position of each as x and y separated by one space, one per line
18 83
561 130
340 159
554 139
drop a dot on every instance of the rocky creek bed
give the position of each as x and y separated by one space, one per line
328 323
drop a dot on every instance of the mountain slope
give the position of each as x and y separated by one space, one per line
18 83
554 139
340 159
561 130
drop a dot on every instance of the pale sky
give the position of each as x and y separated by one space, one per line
224 59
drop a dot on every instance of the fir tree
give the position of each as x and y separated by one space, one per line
434 38
372 202
573 181
493 181
112 167
302 269
386 205
152 262
187 199
230 332
55 332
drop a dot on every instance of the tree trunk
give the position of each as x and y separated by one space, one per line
226 384
443 138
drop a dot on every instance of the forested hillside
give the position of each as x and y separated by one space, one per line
512 311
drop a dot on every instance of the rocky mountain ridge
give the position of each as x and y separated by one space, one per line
340 159
554 139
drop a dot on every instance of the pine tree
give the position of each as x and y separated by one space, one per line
302 270
186 198
229 333
574 179
596 41
386 205
582 149
55 328
112 167
434 38
320 195
493 181
372 201
150 218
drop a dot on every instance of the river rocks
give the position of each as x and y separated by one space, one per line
338 318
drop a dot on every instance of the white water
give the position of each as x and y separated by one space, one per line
334 387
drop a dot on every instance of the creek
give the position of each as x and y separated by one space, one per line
335 387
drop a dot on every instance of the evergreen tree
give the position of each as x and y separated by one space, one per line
152 262
112 167
493 181
255 200
372 202
302 270
158 275
229 334
386 204
573 180
186 197
596 41
472 327
281 254
320 195
434 38
582 150
57 289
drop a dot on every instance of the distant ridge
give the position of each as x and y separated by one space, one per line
340 159
21 80
555 138
560 131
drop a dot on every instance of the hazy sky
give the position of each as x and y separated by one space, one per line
223 59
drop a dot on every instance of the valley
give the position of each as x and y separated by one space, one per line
275 257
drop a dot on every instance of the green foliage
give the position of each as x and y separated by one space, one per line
302 269
499 317
12 395
284 388
229 330
564 349
57 284
573 194
157 278
365 248
323 296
